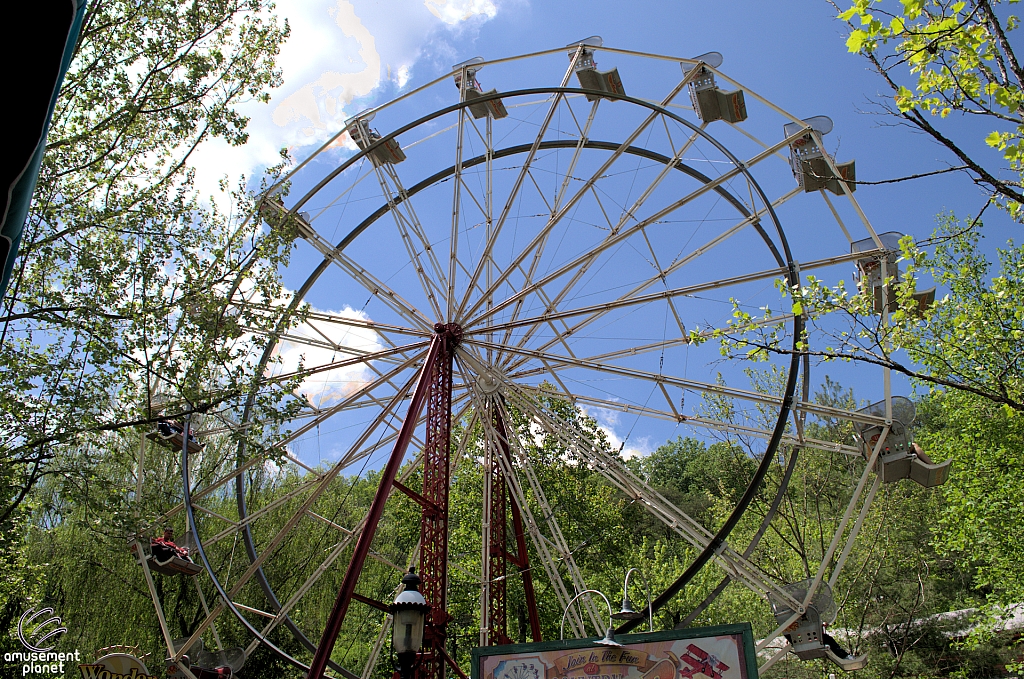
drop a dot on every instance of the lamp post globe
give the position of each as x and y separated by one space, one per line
410 614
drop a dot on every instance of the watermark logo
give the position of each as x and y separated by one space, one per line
39 637
42 632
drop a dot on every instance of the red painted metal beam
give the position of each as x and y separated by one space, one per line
525 572
362 548
497 606
414 496
454 665
373 603
434 523
522 557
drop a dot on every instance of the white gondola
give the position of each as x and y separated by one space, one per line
170 565
471 90
869 270
607 82
807 637
709 101
900 458
361 133
811 169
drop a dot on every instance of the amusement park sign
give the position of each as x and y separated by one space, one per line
725 652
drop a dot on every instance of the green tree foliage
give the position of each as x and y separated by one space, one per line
969 340
125 270
983 512
893 581
943 57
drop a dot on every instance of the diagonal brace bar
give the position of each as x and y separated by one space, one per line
362 548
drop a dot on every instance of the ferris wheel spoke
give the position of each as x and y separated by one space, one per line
340 547
517 366
453 243
213 486
381 291
214 514
326 338
414 440
411 220
598 311
382 330
620 476
557 538
319 488
510 202
408 225
626 302
595 311
394 356
583 261
378 646
289 526
263 511
660 276
359 180
359 393
606 403
584 134
541 294
493 440
556 360
486 214
541 544
571 202
352 406
335 255
673 415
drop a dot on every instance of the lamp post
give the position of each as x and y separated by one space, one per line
410 614
628 612
609 635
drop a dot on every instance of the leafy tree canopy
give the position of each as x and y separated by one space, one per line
940 57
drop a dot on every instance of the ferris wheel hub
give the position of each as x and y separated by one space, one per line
451 331
488 382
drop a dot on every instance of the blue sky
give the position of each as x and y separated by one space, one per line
792 52
348 55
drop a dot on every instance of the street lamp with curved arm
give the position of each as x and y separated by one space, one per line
628 612
609 635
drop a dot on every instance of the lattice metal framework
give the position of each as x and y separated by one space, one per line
434 524
497 632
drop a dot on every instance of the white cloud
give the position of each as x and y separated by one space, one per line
330 386
342 55
456 11
402 76
607 420
321 102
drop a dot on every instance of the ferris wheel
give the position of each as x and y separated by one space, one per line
541 261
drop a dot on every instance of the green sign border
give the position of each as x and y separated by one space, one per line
743 629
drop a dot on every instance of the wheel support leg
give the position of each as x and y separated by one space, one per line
362 548
497 549
434 522
521 558
523 563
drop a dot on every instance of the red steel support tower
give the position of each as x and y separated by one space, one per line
435 392
499 554
498 549
434 524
